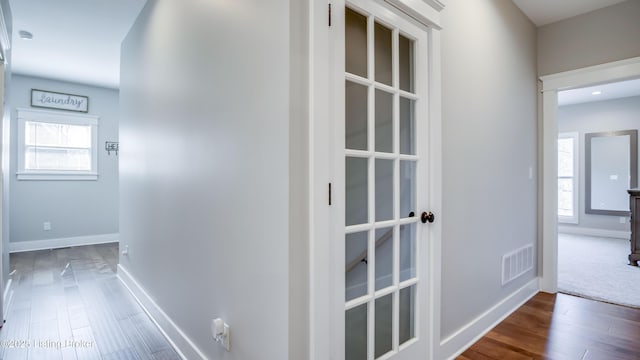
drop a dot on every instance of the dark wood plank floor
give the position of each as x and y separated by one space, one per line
69 304
562 327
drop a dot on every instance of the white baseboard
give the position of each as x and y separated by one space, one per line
178 339
462 339
6 299
595 232
21 246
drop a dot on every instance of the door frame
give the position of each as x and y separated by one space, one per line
551 84
324 342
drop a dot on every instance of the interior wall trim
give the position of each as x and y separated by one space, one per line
456 343
426 12
618 234
6 298
21 246
181 343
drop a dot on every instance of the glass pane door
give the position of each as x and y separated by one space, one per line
382 266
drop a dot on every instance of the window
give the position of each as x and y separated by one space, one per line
57 146
568 178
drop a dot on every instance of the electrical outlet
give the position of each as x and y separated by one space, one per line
623 220
221 333
46 226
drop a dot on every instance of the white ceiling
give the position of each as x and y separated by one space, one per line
609 91
543 12
79 40
73 40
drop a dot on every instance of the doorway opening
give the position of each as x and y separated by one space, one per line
567 212
61 195
597 164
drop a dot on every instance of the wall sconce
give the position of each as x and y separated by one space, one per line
112 146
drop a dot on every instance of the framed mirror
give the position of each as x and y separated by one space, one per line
611 168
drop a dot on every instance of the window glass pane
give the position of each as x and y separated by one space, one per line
383 54
407 251
384 325
407 313
384 189
75 136
565 157
30 133
384 257
357 198
565 197
406 63
407 127
356 266
355 116
38 158
356 333
355 27
384 121
407 188
57 135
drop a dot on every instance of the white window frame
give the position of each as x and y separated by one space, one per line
25 115
576 179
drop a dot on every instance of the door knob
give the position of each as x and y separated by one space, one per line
427 216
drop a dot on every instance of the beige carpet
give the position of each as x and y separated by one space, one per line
597 268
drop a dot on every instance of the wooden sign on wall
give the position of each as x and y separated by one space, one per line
61 101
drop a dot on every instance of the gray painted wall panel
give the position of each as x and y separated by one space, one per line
205 169
600 116
489 143
598 37
74 208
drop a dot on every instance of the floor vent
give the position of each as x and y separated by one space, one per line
516 263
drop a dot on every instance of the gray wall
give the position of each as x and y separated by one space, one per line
489 144
601 36
208 153
609 115
74 208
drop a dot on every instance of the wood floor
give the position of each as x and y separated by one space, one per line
563 327
68 304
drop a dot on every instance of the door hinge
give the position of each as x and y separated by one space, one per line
329 194
329 15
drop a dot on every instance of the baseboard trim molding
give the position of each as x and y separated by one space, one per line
458 342
6 299
618 234
33 245
176 337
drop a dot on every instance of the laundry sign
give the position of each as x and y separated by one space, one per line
61 101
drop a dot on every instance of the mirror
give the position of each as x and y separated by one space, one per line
611 168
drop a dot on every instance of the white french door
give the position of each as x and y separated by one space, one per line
381 166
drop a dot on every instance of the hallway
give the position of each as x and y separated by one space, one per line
69 304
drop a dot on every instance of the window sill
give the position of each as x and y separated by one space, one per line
57 176
568 220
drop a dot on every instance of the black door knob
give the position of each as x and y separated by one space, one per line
427 216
